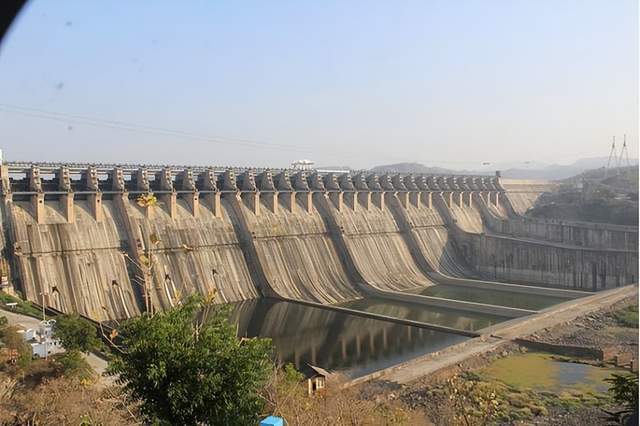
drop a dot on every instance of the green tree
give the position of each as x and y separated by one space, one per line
187 366
76 334
624 390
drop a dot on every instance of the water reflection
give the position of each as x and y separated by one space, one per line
461 320
351 344
493 297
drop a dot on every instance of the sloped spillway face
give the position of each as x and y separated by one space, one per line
436 245
468 218
350 344
522 194
195 254
297 254
80 266
378 249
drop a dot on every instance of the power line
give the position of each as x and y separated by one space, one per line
135 127
122 125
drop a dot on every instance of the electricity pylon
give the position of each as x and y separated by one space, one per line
612 155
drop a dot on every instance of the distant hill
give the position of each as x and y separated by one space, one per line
533 171
558 171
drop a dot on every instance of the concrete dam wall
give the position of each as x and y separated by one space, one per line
73 267
597 236
291 240
507 259
522 194
112 241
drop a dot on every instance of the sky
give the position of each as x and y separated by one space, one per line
356 83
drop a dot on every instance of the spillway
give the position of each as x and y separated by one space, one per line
522 193
351 272
83 237
378 249
77 267
435 242
195 254
297 255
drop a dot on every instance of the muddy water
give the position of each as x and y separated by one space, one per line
544 372
332 340
493 297
461 320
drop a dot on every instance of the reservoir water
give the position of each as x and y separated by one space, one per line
350 344
461 320
493 297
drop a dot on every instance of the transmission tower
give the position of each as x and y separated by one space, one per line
624 154
612 155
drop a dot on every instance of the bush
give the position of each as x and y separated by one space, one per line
187 366
628 317
72 364
76 334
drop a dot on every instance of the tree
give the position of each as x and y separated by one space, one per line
187 366
624 390
76 334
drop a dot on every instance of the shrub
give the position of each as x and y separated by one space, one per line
76 334
187 366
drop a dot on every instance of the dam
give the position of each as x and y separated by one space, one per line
353 270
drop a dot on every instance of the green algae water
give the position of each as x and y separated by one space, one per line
493 297
544 372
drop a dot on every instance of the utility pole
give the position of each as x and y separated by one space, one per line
44 329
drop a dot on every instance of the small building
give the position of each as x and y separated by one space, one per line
316 378
28 334
45 347
302 165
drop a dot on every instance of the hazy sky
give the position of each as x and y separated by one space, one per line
358 83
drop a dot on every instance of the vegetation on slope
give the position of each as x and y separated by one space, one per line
22 306
594 196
